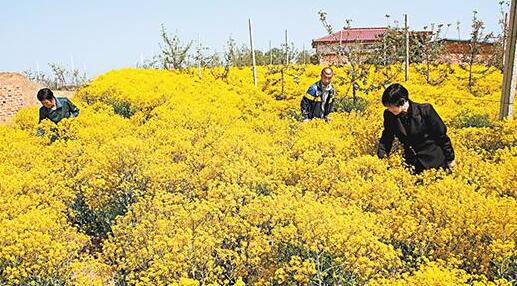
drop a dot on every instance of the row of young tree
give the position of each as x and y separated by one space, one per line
426 48
60 77
178 54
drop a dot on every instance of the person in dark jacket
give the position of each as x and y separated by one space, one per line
418 127
55 108
318 101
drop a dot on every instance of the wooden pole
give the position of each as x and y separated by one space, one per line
508 89
270 54
406 29
303 53
199 55
72 62
253 53
340 49
505 34
286 48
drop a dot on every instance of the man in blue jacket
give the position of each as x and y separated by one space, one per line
318 101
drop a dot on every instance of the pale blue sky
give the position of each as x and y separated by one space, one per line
101 35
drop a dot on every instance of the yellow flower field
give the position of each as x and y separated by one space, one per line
168 178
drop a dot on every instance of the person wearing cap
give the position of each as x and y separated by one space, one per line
55 108
318 101
418 127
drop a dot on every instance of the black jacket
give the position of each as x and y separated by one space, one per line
311 104
423 134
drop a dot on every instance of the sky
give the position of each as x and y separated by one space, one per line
96 36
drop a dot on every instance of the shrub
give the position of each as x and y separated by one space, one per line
467 119
348 104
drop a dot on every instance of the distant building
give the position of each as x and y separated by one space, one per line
368 39
456 50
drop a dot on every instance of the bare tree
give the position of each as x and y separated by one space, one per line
228 60
429 50
174 53
355 59
204 58
477 53
500 39
60 77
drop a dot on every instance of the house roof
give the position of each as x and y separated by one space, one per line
465 41
355 34
352 35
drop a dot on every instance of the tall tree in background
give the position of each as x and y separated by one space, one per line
357 60
304 57
389 56
174 54
228 60
500 39
203 58
429 50
477 54
60 77
274 56
351 58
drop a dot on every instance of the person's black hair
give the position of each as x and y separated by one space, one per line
45 94
395 95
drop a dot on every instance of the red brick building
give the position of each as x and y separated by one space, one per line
366 39
455 50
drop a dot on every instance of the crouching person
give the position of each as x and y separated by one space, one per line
318 101
54 108
418 127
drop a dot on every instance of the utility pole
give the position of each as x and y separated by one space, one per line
508 90
72 62
286 48
84 69
340 48
252 54
505 34
406 29
458 29
384 45
303 53
270 54
199 55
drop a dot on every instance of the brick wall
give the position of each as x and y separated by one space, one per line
16 91
11 100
